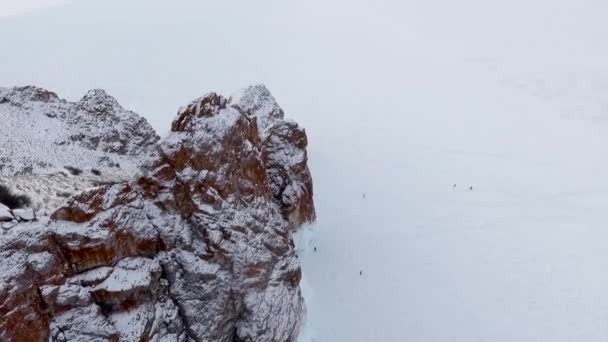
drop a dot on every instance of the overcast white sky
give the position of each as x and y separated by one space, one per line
15 7
156 55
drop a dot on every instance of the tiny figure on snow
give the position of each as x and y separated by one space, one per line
470 188
315 248
363 195
454 185
361 272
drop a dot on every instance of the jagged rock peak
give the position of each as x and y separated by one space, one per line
197 248
113 128
46 133
98 101
254 101
205 106
257 101
210 123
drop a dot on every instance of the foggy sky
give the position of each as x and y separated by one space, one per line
319 57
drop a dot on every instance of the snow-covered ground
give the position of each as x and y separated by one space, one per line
520 257
401 100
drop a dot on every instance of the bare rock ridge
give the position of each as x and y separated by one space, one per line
198 247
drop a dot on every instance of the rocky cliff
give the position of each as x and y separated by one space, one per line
198 247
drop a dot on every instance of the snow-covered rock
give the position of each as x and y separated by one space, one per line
43 134
26 214
257 102
51 149
9 224
5 214
49 191
198 247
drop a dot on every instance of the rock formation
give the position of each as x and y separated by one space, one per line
198 247
42 134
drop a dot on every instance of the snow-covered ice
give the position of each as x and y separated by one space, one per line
520 257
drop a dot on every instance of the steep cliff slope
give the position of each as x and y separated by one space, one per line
197 248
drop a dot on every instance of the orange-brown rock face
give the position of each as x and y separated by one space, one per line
198 247
286 164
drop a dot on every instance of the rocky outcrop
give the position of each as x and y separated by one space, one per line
196 248
43 134
99 123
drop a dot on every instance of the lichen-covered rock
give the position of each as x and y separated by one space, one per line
197 248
